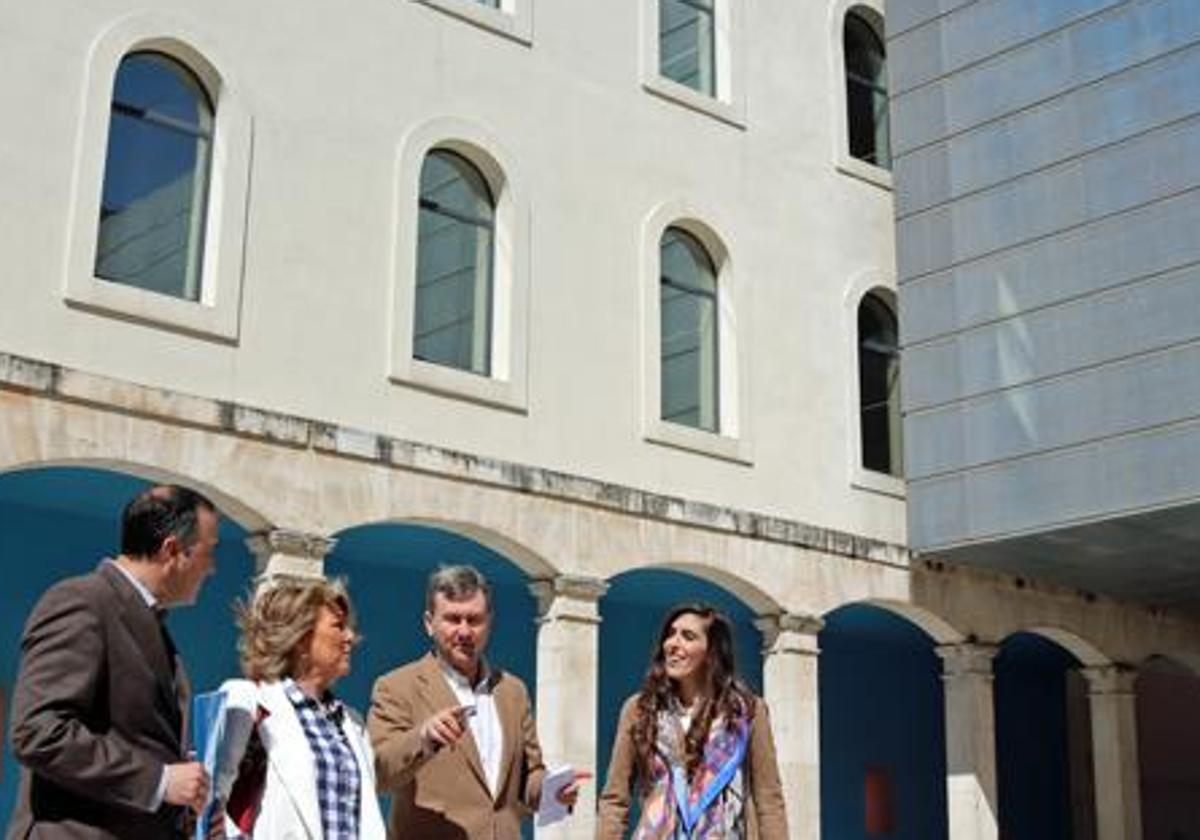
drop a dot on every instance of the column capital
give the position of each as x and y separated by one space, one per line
289 553
966 659
1112 679
794 633
569 597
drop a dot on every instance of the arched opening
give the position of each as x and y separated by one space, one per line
58 522
881 448
866 87
155 196
1043 741
455 254
883 753
1168 734
688 307
386 566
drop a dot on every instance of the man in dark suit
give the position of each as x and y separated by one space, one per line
99 710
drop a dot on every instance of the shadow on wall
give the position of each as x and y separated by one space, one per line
1168 725
883 754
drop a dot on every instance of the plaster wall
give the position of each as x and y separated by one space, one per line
331 96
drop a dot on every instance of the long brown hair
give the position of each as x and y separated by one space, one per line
725 696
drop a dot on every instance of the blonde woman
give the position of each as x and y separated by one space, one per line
306 771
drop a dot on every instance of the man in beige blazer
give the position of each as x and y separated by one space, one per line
454 739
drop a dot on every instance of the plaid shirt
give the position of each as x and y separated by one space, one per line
339 782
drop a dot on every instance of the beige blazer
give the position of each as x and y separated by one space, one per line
444 795
765 815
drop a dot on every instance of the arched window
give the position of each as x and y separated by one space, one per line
688 313
687 43
155 195
879 386
866 91
455 232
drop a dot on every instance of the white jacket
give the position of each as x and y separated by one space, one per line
290 810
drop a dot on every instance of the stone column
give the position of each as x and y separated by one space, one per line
971 801
280 552
568 675
790 688
1115 752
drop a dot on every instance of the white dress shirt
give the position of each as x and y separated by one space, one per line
161 791
485 723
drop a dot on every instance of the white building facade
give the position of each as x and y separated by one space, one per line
640 348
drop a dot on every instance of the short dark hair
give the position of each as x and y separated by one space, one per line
166 510
457 583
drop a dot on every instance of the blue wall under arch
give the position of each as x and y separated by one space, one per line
881 707
1032 769
386 565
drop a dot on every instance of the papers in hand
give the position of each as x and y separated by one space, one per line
550 810
221 723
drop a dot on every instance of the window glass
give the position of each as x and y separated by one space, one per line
453 310
866 93
686 43
879 386
688 311
152 208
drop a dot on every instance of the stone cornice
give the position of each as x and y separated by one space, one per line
105 393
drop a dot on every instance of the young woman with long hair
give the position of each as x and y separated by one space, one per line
694 744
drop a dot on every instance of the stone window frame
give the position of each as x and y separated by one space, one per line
506 386
843 162
729 103
513 19
733 440
883 285
216 315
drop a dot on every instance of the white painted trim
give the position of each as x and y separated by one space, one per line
842 160
513 20
884 284
733 441
507 385
729 103
217 313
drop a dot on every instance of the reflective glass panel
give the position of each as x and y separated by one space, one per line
879 387
453 311
152 208
866 93
686 43
688 312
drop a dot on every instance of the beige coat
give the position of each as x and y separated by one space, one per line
445 796
765 816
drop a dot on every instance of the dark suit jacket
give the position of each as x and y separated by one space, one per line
445 796
95 714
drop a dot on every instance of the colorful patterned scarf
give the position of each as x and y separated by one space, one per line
711 806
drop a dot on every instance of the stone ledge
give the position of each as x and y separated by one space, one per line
106 393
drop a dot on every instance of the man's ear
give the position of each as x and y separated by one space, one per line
170 547
428 623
